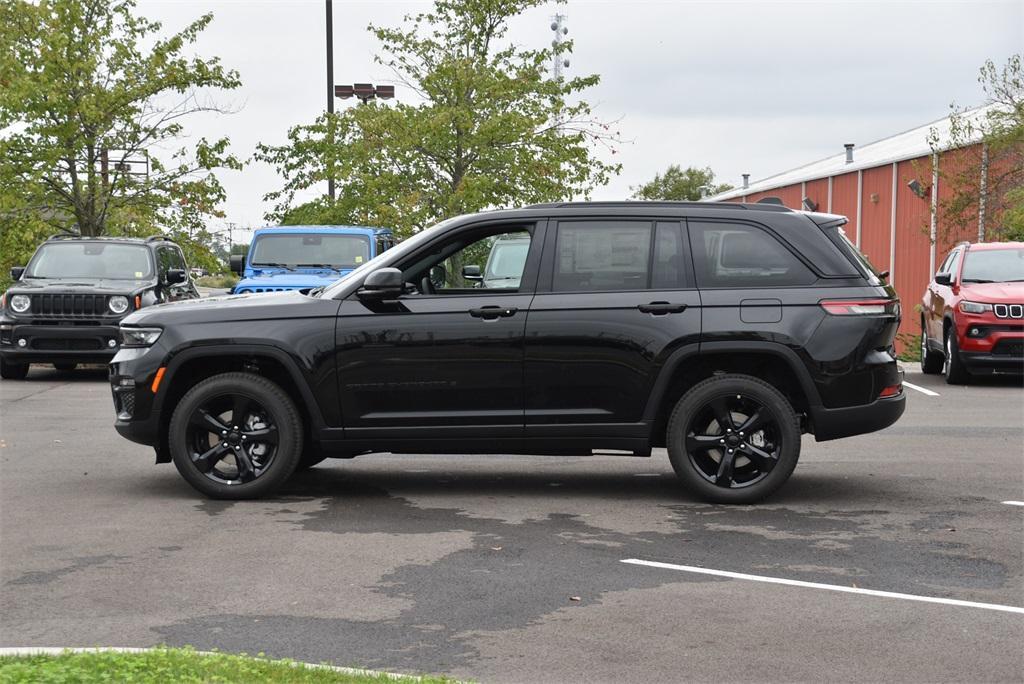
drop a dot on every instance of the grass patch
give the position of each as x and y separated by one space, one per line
164 664
222 280
911 347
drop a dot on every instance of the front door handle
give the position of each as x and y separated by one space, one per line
490 313
662 308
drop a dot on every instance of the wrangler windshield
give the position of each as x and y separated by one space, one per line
310 250
90 260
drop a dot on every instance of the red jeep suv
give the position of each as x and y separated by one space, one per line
972 314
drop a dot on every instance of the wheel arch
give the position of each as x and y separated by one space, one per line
773 363
198 363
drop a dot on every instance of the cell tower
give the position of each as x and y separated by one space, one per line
558 25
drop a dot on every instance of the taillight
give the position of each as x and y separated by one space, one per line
891 391
860 307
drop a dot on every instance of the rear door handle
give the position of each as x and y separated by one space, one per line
490 313
662 308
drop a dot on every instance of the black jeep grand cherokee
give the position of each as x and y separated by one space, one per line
65 306
719 331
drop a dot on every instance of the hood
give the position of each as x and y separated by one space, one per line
78 286
291 280
230 308
993 293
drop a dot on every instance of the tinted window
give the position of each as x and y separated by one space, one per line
602 255
473 262
737 255
954 264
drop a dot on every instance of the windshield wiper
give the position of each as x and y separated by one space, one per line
976 280
273 264
315 292
318 266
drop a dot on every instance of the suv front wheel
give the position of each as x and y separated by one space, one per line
953 366
13 371
733 439
236 436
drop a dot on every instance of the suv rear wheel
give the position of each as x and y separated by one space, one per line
236 436
13 371
733 439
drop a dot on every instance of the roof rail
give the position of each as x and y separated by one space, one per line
63 236
662 203
159 238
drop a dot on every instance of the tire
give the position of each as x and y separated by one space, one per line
931 362
66 367
13 371
693 439
263 416
953 368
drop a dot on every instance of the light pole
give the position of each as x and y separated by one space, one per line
364 91
330 93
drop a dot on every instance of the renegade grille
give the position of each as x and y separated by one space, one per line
267 289
69 305
1008 310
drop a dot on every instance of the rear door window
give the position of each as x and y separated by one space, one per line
742 255
602 256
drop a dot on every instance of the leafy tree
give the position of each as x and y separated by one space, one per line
87 117
999 159
491 129
690 184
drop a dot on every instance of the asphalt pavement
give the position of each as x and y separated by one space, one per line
509 568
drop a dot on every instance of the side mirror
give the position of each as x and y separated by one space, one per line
237 262
944 278
17 272
176 275
384 283
472 272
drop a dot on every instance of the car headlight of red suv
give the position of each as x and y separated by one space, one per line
974 307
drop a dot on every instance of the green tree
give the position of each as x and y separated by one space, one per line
690 184
998 201
89 119
491 128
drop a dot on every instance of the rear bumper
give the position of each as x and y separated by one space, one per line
27 343
857 420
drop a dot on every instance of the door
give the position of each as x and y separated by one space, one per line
446 358
939 297
616 298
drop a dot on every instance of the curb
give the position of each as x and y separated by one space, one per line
58 650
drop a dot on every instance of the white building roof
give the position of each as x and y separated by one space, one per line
906 145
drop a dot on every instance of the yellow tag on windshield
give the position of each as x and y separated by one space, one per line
359 259
138 274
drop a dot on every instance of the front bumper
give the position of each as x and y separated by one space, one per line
35 343
993 363
136 406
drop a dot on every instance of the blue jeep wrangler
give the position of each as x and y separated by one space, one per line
301 257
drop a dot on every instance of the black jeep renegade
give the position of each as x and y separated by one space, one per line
65 306
719 331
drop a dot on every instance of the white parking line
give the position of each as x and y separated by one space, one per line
922 390
1014 503
830 587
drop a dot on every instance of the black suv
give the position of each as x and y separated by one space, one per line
719 331
65 306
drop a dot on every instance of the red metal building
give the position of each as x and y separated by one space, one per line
890 190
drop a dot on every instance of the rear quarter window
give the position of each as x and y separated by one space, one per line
740 255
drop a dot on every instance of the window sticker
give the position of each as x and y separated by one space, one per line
359 259
138 274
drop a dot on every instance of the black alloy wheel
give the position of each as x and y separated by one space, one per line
953 366
236 436
232 439
734 439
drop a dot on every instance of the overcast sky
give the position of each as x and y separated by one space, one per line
742 87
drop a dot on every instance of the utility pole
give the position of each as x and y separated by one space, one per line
330 95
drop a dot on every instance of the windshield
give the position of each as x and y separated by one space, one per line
311 250
90 260
994 266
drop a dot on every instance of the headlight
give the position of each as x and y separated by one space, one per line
118 304
974 307
20 303
139 337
